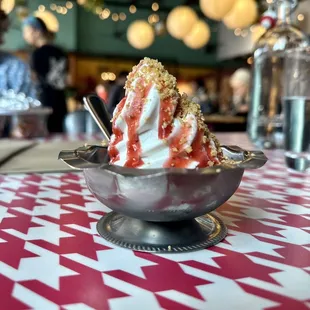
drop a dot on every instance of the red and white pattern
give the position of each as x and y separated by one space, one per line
51 256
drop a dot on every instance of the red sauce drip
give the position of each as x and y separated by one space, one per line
165 117
113 152
132 119
201 152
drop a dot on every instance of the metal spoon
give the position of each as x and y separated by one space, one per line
97 109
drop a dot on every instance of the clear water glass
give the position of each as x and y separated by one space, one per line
296 104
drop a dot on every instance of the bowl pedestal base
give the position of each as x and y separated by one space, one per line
162 237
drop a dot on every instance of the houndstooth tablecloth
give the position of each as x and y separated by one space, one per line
51 256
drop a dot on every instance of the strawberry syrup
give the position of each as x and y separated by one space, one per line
113 152
201 152
132 119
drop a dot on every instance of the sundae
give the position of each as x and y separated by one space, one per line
156 127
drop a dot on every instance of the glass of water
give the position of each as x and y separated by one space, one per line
296 103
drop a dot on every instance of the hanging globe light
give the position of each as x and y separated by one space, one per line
243 14
180 21
216 9
7 5
199 36
140 34
49 19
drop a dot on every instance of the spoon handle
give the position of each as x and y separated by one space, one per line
97 109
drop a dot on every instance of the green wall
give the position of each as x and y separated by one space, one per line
84 32
98 36
66 37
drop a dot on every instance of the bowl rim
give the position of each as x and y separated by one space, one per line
76 159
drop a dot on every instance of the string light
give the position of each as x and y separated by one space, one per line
115 17
122 16
112 76
132 9
104 76
244 33
237 32
108 76
153 19
58 8
69 5
98 10
155 6
91 5
250 60
41 8
105 14
300 17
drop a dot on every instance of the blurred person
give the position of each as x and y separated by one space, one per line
211 85
50 68
14 73
117 91
201 96
240 83
225 96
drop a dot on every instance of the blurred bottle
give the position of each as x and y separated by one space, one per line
265 121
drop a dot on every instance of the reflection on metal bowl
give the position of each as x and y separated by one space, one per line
151 204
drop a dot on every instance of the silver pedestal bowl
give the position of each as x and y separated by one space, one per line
162 210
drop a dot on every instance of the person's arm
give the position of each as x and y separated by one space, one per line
19 78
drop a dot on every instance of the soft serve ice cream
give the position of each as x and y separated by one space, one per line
155 127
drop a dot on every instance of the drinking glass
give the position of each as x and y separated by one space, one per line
296 103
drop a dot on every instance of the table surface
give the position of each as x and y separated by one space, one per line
51 256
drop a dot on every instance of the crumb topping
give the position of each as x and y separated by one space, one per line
185 107
152 71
